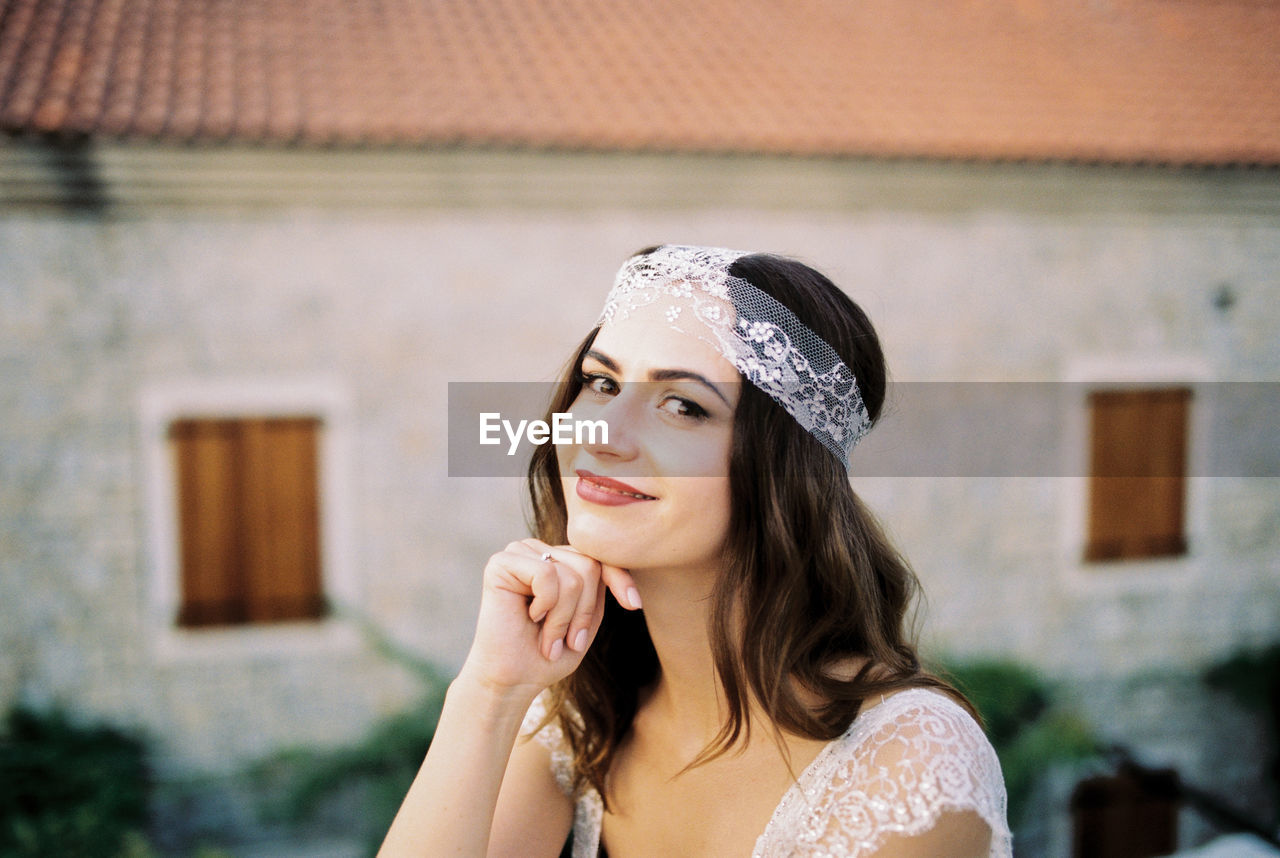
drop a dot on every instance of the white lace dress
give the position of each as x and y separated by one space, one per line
899 767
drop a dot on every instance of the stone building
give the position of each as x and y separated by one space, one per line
318 215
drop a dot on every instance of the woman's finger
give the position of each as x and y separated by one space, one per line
596 618
589 569
547 557
556 626
622 585
583 621
525 575
579 633
544 586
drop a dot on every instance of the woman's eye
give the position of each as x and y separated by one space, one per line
684 408
598 383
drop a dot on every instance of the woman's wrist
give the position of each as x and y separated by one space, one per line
490 701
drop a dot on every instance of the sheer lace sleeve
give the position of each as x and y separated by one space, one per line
901 769
588 809
552 738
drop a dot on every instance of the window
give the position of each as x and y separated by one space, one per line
1137 474
248 519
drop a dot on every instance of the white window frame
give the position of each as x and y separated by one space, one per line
159 406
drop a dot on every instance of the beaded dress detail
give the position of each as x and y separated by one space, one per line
900 766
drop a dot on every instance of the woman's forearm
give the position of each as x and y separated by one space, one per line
536 603
448 810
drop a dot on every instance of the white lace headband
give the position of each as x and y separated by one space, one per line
762 338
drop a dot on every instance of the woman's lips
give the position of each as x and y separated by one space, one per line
607 492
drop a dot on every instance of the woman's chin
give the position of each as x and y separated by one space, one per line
602 551
601 546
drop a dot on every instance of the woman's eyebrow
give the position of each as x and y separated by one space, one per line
600 357
687 375
662 374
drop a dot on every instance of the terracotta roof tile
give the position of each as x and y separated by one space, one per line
1171 81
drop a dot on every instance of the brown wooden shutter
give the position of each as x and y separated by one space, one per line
208 514
282 527
1137 479
248 497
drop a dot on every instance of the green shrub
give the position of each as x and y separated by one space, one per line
371 777
361 785
1057 737
1008 695
1252 677
67 789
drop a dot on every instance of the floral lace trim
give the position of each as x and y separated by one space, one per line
588 809
552 738
901 766
761 337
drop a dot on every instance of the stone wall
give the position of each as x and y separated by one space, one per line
1013 274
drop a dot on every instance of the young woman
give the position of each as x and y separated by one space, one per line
749 688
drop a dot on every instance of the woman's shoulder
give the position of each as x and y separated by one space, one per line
901 766
922 707
923 730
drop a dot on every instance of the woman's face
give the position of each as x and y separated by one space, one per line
657 493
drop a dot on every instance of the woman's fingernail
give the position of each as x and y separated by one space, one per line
633 596
556 648
580 640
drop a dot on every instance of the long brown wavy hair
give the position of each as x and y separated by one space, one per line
810 579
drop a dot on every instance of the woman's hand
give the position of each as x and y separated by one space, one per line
537 617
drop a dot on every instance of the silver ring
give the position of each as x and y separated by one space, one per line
546 555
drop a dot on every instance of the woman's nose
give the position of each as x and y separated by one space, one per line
620 435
